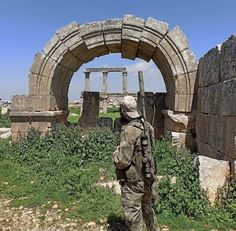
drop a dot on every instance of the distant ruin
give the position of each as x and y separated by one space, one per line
106 96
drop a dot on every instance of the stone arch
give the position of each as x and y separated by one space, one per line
74 45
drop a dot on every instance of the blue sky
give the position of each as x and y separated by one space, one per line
27 25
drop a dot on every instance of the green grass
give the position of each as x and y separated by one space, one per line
75 114
181 223
73 118
65 166
113 115
5 121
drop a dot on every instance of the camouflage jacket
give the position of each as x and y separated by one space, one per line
128 157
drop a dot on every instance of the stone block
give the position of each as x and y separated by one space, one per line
39 59
20 125
228 98
174 42
70 36
190 60
215 99
20 103
68 31
48 67
201 98
60 53
186 83
209 68
213 174
112 34
131 33
229 136
51 45
202 127
176 138
92 34
40 102
152 34
202 147
80 50
215 128
90 112
6 135
177 65
161 61
105 122
228 59
33 83
210 99
177 122
183 103
70 61
4 130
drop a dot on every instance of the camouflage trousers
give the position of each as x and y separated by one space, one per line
137 201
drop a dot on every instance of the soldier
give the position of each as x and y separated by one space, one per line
137 196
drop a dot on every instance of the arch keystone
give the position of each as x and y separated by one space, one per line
131 33
112 29
92 34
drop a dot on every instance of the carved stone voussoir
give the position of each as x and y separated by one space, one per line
112 34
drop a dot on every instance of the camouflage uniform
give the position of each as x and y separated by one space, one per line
136 197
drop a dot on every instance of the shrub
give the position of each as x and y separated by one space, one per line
184 197
5 121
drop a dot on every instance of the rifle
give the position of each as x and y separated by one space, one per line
148 160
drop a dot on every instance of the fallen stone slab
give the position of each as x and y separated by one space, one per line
213 175
4 130
6 135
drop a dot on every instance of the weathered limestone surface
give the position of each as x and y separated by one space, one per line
131 33
92 34
4 130
20 103
216 120
23 121
152 34
154 104
209 68
90 113
179 128
213 175
229 137
228 59
112 34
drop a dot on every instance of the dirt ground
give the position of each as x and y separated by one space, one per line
27 219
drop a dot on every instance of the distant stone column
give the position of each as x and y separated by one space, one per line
125 82
87 81
104 91
105 82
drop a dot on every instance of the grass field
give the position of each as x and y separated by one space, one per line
65 166
75 114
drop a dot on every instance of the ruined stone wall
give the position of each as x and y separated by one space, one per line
216 118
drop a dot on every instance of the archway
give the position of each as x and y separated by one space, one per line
74 44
